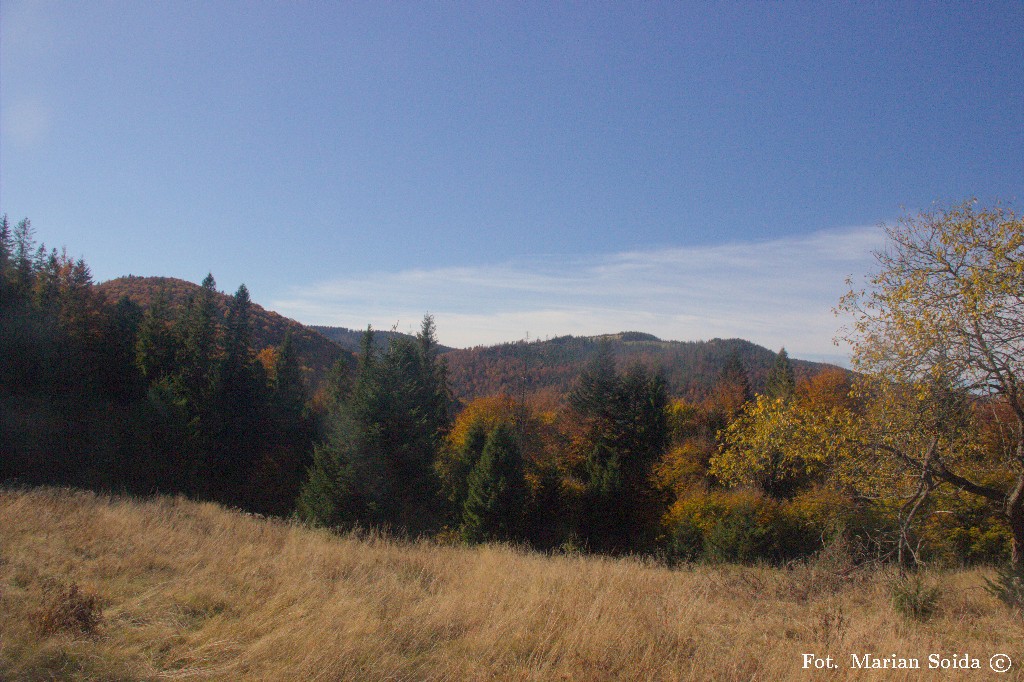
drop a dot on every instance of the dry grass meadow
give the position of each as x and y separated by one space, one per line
108 588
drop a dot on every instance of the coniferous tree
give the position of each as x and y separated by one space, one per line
496 491
781 380
626 431
120 375
287 436
156 345
6 245
289 391
342 483
199 343
6 254
377 463
24 243
733 389
241 399
458 465
199 346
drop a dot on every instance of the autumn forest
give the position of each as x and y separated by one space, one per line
716 451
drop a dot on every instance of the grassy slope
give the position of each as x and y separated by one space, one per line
192 591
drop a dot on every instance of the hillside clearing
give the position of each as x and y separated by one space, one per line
96 587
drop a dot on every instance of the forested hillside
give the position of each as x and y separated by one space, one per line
316 354
549 367
174 396
352 339
690 368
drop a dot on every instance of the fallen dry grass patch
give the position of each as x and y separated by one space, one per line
190 591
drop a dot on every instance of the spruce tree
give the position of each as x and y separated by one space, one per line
121 376
733 387
156 344
464 462
6 250
23 239
199 345
343 483
497 494
384 438
288 434
626 426
781 381
289 390
335 493
241 401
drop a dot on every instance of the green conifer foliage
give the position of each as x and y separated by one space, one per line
289 390
626 425
156 344
199 346
781 381
496 492
241 404
6 246
457 482
376 464
193 385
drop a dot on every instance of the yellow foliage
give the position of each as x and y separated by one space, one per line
681 468
779 444
490 411
268 358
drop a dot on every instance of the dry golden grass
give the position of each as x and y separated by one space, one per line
191 591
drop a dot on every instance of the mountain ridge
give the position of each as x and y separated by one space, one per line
517 367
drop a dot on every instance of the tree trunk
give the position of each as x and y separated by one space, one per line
1014 510
1017 555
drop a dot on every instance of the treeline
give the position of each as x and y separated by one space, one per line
113 396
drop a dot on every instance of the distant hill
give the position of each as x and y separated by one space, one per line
316 352
352 339
690 367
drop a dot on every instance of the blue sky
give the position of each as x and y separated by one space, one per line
688 169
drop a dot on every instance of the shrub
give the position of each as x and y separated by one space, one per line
747 526
754 528
1008 587
913 597
968 532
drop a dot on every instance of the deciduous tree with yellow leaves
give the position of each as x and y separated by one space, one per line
938 334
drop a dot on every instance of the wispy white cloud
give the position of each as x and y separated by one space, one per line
775 293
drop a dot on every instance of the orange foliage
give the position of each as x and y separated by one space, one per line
829 389
268 358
